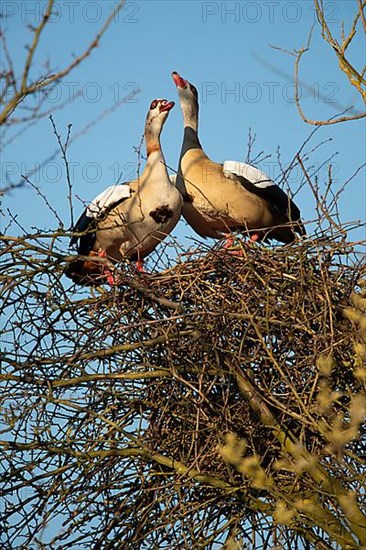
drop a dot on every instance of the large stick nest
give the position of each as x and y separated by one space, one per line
271 314
167 351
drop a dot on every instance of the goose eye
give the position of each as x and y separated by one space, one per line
153 104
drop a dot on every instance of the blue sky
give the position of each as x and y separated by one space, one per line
224 49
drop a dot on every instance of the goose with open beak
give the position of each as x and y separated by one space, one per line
128 220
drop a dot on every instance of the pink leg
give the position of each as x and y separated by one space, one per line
107 272
110 277
228 243
230 239
140 266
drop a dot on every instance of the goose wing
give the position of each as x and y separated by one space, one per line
99 207
261 185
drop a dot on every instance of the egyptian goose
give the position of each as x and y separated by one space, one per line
129 220
221 198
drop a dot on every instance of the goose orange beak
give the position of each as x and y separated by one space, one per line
178 80
167 106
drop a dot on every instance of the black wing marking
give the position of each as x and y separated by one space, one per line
89 224
276 198
85 242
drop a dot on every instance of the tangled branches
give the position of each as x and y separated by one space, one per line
221 399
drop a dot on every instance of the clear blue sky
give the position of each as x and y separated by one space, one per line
224 49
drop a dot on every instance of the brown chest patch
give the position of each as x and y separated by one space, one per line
161 214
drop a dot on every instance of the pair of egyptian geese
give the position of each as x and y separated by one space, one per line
130 220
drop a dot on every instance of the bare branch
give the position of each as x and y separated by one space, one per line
27 88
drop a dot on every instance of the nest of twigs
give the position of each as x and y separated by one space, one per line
268 315
134 389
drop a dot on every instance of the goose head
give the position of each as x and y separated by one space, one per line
157 115
188 97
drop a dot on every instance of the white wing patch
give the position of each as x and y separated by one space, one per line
172 178
254 175
106 199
